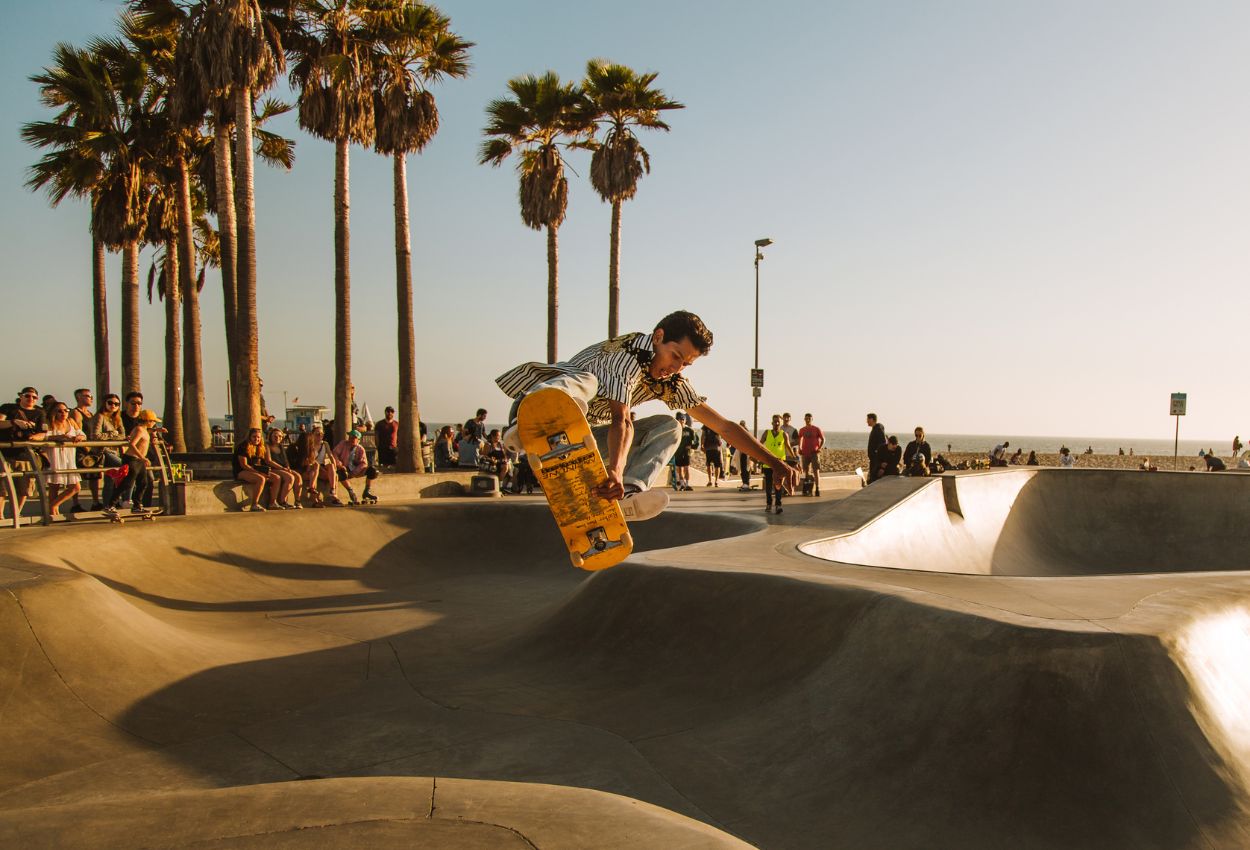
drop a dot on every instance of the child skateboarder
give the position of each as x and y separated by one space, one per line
609 378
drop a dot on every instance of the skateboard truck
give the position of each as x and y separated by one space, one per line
600 542
560 446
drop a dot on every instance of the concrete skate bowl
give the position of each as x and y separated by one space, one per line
146 669
1058 522
438 676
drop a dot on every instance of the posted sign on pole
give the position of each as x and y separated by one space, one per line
1177 410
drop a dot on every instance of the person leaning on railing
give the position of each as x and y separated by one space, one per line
105 425
27 423
63 482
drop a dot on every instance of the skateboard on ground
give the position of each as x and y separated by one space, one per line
120 518
564 457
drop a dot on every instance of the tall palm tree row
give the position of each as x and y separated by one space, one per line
544 116
129 134
540 118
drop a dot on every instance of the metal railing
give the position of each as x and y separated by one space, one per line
41 470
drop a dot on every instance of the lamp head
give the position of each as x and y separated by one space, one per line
762 243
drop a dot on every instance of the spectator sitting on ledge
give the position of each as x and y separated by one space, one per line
27 422
353 463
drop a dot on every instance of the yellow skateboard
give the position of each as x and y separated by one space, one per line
566 461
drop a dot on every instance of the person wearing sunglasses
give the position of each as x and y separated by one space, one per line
27 422
106 425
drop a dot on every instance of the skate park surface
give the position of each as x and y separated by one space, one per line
1018 659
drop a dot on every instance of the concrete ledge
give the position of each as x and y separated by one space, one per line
207 497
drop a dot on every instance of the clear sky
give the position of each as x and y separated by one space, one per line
989 217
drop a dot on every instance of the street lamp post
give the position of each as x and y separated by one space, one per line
755 390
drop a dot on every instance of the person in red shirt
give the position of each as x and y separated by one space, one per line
811 439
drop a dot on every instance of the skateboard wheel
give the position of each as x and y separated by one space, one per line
589 442
628 540
576 559
536 463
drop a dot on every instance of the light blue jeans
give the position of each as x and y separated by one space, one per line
656 438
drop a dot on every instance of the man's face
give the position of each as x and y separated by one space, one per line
776 422
670 357
83 398
27 400
807 417
390 415
871 421
133 404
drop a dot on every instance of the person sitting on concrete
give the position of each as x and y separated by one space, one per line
470 446
252 467
352 462
318 466
292 482
1214 464
444 449
889 456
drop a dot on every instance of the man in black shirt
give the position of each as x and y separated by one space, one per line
26 422
876 440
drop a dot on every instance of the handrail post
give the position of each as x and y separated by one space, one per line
11 490
41 482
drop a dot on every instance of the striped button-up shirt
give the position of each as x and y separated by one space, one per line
618 364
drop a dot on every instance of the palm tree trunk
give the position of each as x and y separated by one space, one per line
247 410
131 382
342 294
172 415
409 447
100 319
222 152
614 272
553 301
195 416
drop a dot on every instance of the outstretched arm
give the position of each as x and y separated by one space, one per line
738 437
620 438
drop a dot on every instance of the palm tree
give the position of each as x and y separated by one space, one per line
333 71
74 166
235 50
154 28
621 100
541 116
419 49
127 129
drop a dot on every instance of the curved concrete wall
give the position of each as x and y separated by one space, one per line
1053 522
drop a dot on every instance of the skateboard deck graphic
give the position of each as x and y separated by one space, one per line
567 463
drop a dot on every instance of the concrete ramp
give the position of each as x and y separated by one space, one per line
1057 522
437 675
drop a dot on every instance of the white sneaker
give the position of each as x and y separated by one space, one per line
643 505
512 439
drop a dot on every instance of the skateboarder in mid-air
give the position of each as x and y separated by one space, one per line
611 377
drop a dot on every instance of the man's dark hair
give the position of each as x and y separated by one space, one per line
683 324
134 394
872 416
481 411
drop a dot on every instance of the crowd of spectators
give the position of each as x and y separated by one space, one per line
117 475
